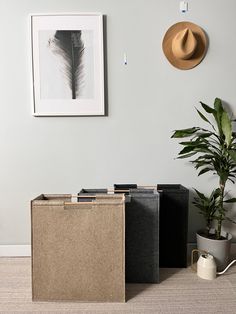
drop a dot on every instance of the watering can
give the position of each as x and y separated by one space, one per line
206 265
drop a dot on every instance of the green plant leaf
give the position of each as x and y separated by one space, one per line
217 192
201 164
205 157
223 176
231 200
186 156
226 127
203 117
230 220
233 154
200 195
186 150
184 132
204 135
218 113
204 171
190 143
207 108
218 105
203 150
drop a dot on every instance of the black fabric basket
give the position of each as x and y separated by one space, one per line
90 192
142 236
174 203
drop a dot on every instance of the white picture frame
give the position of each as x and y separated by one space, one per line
67 64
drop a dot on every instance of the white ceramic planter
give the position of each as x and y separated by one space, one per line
220 249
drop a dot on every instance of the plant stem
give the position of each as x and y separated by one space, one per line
208 226
221 207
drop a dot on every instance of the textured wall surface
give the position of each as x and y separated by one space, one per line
148 99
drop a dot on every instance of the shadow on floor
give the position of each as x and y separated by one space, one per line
166 273
134 289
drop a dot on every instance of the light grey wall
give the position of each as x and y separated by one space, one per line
147 100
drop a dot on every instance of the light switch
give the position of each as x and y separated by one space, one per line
125 59
183 6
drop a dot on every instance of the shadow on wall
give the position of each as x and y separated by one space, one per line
196 221
230 109
105 64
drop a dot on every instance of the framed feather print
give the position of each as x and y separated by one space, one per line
67 64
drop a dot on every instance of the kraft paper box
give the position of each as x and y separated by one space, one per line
78 249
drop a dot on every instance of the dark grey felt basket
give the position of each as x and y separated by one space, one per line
141 232
174 203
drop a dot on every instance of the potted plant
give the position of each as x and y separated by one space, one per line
215 152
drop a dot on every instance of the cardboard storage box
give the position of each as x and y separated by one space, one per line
141 231
78 249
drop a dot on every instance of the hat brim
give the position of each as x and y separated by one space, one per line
200 50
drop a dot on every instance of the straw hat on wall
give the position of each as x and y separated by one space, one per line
185 45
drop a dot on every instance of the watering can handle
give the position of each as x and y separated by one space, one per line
194 266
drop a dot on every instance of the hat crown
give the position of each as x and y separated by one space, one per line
184 44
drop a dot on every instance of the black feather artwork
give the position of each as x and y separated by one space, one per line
70 47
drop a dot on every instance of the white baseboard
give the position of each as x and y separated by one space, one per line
15 250
25 250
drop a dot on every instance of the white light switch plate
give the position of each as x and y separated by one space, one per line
183 6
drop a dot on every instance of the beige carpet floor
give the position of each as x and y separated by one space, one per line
180 291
